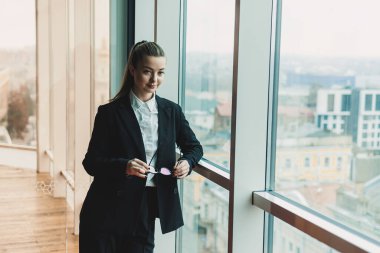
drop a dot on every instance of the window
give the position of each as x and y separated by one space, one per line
327 162
346 103
208 75
18 73
339 163
207 104
319 120
307 162
368 102
295 238
330 102
204 205
288 163
101 53
317 57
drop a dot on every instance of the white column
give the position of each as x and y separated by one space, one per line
251 127
57 56
82 101
43 93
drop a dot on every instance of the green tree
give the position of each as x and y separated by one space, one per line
18 112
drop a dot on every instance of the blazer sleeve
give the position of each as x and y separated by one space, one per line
98 160
188 143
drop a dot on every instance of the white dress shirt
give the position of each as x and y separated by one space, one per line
147 117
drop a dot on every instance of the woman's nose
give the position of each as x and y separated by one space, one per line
154 78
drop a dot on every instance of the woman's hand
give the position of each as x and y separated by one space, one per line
136 167
181 169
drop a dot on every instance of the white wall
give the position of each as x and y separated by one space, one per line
18 157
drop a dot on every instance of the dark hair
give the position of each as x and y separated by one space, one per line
136 55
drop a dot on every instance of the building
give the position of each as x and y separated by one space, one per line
222 122
206 206
358 206
355 112
333 112
366 118
326 80
318 158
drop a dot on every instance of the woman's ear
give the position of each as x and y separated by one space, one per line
131 70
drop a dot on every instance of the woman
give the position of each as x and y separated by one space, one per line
134 136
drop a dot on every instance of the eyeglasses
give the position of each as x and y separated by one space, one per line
163 171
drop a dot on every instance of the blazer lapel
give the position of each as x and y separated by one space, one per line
130 122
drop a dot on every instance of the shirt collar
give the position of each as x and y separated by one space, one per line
137 103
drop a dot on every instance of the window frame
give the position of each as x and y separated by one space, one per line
275 204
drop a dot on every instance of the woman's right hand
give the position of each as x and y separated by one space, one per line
136 167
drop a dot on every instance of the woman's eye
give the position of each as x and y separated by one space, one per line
146 72
161 73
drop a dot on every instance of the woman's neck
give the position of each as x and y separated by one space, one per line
143 97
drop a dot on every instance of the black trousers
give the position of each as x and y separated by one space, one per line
141 242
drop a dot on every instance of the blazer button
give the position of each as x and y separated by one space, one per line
175 191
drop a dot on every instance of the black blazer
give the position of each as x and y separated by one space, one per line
113 200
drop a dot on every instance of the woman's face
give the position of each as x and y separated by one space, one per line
148 76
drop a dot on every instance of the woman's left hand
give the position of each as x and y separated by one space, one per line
181 169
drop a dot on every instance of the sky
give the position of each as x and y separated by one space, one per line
348 28
210 25
325 27
17 23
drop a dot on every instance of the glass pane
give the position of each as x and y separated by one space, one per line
205 211
377 102
101 53
18 72
368 102
208 71
287 239
328 125
346 103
